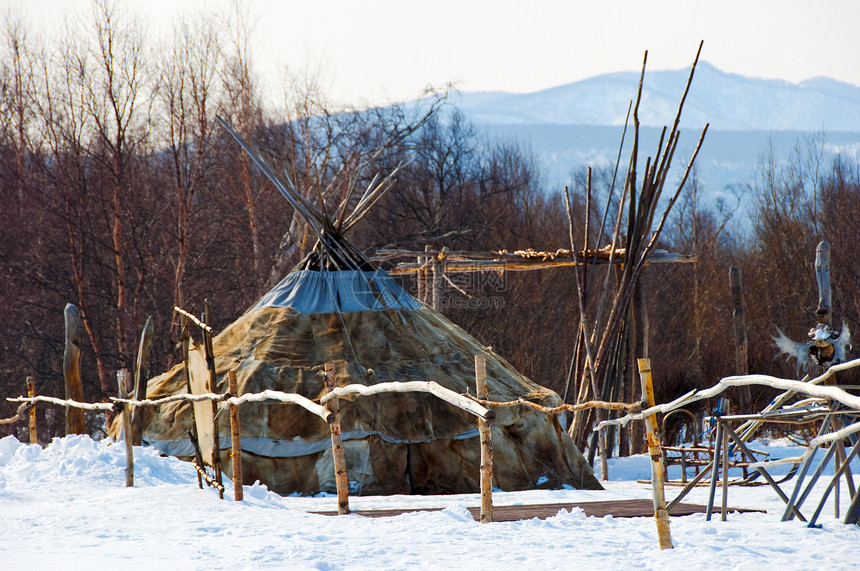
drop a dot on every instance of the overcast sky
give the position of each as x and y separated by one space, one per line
384 50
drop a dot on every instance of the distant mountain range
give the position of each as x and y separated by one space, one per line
729 102
580 124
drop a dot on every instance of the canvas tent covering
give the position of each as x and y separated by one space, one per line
335 307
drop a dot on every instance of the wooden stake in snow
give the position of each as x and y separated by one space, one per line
486 443
72 369
235 442
340 476
31 392
661 514
122 385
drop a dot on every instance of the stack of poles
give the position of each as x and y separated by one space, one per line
604 332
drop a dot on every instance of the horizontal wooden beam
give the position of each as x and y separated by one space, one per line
521 261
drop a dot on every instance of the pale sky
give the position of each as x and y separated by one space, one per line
377 51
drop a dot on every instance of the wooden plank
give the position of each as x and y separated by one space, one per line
141 372
198 376
527 264
615 508
210 388
72 369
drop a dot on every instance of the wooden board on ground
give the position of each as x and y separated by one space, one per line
615 508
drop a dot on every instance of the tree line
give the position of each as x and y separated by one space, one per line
121 194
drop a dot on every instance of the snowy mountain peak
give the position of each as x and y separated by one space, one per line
727 101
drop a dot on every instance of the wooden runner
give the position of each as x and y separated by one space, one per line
615 508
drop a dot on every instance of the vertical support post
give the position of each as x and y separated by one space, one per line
852 514
141 372
837 463
422 276
741 344
340 475
235 442
72 369
725 497
210 387
122 386
31 393
822 276
438 270
485 433
661 514
715 473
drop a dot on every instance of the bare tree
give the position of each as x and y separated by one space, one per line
187 97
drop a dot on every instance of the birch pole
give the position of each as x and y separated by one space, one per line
340 476
122 386
235 442
486 443
661 514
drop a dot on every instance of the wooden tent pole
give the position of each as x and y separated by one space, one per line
31 392
122 386
661 514
235 442
340 475
486 443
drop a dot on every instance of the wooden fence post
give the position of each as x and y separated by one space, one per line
422 276
235 442
31 392
340 475
486 443
436 284
72 369
141 372
661 514
122 386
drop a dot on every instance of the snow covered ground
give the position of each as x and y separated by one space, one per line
66 506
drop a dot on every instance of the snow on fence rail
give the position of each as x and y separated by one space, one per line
811 387
431 387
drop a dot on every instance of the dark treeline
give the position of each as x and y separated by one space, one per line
118 185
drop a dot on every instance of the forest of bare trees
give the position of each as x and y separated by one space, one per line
117 185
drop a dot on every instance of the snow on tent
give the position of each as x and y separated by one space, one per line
336 307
